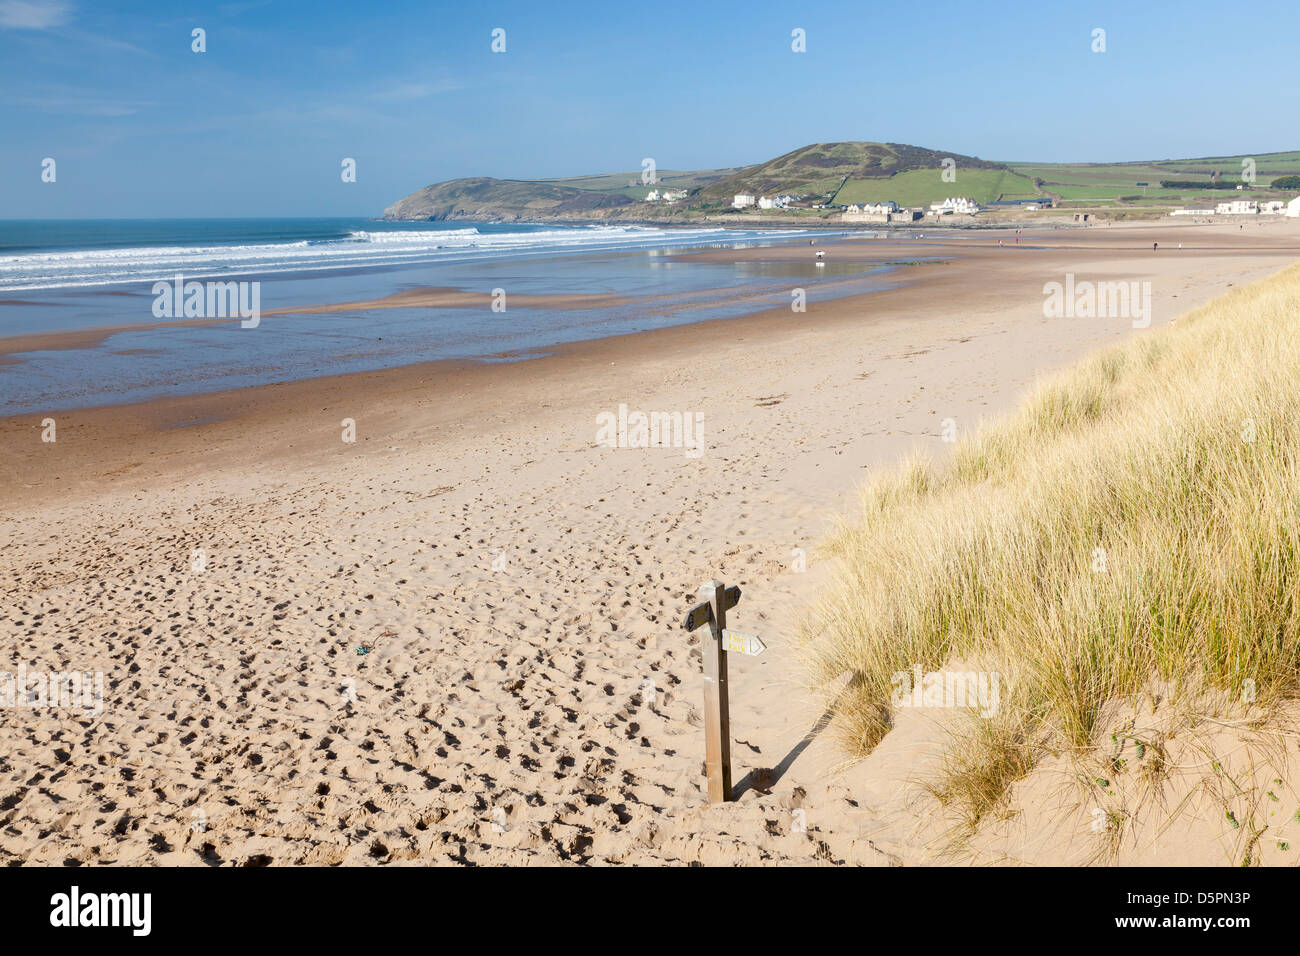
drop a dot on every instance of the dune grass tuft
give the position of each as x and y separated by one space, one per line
1137 519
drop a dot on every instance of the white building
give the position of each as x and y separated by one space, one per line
673 195
888 211
1192 212
783 202
872 208
742 200
765 203
955 204
1273 207
1237 207
1293 208
652 196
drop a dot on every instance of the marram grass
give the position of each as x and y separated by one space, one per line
1136 520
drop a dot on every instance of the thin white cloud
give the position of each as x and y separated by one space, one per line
235 9
99 39
34 14
417 91
84 103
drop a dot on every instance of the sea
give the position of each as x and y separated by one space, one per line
65 275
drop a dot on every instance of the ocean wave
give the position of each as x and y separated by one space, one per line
361 235
80 268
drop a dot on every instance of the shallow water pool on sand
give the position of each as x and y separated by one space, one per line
659 287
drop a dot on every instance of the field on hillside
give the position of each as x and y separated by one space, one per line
1127 539
1085 174
629 184
920 187
1104 184
1267 165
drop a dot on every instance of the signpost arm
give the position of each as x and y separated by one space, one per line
717 721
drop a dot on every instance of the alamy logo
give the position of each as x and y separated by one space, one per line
58 689
653 430
1098 300
103 909
976 689
208 300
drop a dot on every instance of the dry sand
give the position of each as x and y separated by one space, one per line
529 696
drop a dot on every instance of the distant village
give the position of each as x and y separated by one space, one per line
886 212
871 212
867 212
1247 207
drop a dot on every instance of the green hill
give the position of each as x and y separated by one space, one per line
820 170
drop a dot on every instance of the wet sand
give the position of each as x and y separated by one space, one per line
429 298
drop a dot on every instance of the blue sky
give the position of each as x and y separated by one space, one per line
258 125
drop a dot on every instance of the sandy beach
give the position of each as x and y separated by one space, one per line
526 694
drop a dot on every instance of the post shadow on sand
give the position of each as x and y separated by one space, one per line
764 779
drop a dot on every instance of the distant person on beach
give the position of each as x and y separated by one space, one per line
1155 246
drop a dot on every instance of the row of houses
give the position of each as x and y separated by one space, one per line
879 212
746 200
1247 207
668 195
890 211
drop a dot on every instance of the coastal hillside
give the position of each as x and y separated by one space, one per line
629 183
486 199
815 173
822 178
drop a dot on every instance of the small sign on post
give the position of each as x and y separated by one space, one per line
747 644
716 600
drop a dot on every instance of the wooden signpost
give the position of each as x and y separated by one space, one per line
715 601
